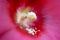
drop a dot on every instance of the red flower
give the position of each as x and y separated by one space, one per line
35 6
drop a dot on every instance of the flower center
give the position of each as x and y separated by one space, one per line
24 19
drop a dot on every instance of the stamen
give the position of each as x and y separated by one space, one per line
24 19
32 16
